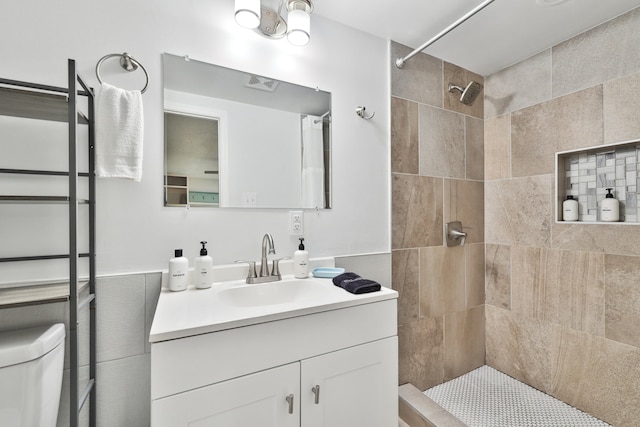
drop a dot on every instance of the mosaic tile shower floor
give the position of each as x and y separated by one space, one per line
486 397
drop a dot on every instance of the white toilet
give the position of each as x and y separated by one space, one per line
31 365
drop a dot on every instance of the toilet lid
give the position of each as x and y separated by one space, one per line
23 345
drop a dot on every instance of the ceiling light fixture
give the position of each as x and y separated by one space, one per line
266 17
299 28
248 13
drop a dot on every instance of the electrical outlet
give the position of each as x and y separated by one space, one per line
249 200
296 223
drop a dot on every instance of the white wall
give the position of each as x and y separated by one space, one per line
135 232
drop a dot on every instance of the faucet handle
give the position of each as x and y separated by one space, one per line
276 268
252 268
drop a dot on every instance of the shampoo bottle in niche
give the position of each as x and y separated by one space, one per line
609 208
570 209
178 272
203 269
301 262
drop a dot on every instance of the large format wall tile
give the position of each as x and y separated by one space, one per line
594 374
572 121
518 211
460 77
498 276
464 345
475 273
622 299
421 353
406 280
564 287
124 393
421 78
598 376
120 317
520 346
416 211
606 52
404 136
474 154
522 85
442 280
497 147
622 109
464 201
442 143
611 239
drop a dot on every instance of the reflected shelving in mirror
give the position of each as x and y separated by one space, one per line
243 140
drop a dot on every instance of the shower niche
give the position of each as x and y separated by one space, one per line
587 173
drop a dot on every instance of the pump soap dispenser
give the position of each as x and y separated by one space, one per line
609 208
203 269
301 262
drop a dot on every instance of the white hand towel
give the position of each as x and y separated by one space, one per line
119 133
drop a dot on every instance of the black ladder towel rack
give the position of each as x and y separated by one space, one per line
61 104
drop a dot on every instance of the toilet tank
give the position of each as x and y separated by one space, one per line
31 366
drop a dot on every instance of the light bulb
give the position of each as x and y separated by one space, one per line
248 13
299 27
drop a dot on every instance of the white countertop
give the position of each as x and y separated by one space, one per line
199 311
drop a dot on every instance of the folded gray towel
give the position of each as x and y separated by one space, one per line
355 284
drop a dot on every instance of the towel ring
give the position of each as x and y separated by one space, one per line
128 62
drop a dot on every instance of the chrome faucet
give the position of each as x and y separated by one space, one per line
265 275
264 264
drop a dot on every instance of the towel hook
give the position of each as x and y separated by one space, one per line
127 62
360 111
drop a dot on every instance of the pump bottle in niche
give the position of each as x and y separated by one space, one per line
609 208
570 209
178 272
203 269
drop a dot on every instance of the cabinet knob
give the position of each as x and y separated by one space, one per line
290 401
316 391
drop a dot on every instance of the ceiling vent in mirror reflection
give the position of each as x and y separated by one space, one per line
261 83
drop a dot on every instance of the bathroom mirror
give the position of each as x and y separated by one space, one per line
240 140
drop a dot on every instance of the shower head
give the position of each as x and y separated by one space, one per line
469 93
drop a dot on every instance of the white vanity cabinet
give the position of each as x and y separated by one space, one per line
336 368
352 387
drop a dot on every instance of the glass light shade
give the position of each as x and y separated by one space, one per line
299 27
248 13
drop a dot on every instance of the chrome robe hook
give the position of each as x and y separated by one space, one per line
360 111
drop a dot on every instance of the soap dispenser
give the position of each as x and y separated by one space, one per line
203 269
609 208
301 262
178 272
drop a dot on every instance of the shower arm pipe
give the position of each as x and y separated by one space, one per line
401 61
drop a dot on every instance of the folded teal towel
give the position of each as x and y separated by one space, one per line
355 284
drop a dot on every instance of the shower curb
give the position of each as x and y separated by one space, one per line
417 410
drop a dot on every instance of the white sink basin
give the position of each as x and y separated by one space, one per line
235 304
272 293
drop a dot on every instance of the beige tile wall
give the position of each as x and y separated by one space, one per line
437 152
563 300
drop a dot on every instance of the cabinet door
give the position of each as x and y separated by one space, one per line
253 400
357 386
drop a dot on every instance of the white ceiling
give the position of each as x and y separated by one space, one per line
502 34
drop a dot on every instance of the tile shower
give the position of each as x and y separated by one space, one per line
561 301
